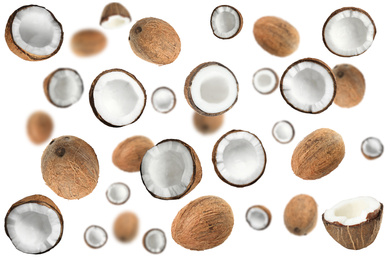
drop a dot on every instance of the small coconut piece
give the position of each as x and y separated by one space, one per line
33 33
95 236
88 42
308 85
39 127
239 158
114 15
117 98
202 224
301 214
372 148
126 226
318 154
170 169
226 22
163 100
265 81
258 217
34 224
354 223
350 85
155 241
348 32
70 167
207 124
118 193
211 89
63 87
129 153
283 131
276 36
154 40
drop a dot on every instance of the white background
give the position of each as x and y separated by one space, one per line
22 93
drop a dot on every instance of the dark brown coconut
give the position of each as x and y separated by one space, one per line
240 21
300 215
350 85
265 210
114 9
207 124
39 127
88 42
202 224
70 167
126 226
154 40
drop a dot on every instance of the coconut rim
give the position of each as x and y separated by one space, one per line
147 233
118 183
293 131
240 20
372 157
85 236
173 95
265 210
275 86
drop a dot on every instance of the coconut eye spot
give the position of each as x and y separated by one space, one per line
372 148
95 236
163 100
265 81
155 241
283 132
118 193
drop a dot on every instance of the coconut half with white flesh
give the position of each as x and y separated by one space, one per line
170 169
348 32
283 131
118 193
239 158
117 98
265 81
33 33
354 223
114 15
155 241
95 236
258 217
226 22
211 89
372 148
308 85
163 100
34 224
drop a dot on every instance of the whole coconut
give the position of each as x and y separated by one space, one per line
300 215
39 127
350 85
88 42
207 124
126 226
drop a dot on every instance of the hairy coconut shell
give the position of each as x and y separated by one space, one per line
202 224
276 36
126 226
88 42
300 215
318 154
207 124
70 167
129 153
114 9
350 85
154 40
39 127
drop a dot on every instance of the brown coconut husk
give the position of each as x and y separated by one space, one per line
207 124
126 226
114 9
39 127
350 85
301 214
88 42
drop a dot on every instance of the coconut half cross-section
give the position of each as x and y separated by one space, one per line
308 85
34 224
239 158
348 32
226 22
265 81
117 98
33 33
170 169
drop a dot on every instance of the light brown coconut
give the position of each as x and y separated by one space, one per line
202 224
276 36
300 215
126 226
318 154
129 153
88 42
39 127
154 40
350 85
70 167
114 9
207 124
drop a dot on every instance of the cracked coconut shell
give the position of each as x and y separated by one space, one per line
202 224
350 85
70 167
88 42
318 154
126 226
300 215
39 127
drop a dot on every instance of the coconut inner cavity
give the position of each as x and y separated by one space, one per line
225 22
257 218
118 193
65 87
265 81
372 147
95 236
155 241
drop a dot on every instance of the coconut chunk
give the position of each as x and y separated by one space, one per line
163 100
258 217
283 132
114 15
95 236
372 148
155 241
265 81
118 193
226 22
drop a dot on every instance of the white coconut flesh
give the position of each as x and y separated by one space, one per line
167 169
265 81
118 193
308 87
240 158
65 87
283 132
95 236
35 31
115 21
118 98
257 218
155 241
163 100
349 33
372 147
225 22
352 211
33 228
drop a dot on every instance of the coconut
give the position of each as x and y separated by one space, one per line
118 193
88 42
202 224
39 127
154 40
95 236
226 22
211 89
70 167
117 98
354 223
63 87
276 36
300 215
114 15
350 85
33 33
283 131
348 32
34 224
126 226
318 154
163 100
154 241
170 169
207 124
265 81
129 153
239 158
258 217
372 148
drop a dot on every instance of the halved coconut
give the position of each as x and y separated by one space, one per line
155 241
211 89
372 148
354 223
95 236
117 98
114 15
308 85
170 170
283 131
239 158
63 87
33 33
348 32
265 81
258 217
34 224
226 22
118 193
163 100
